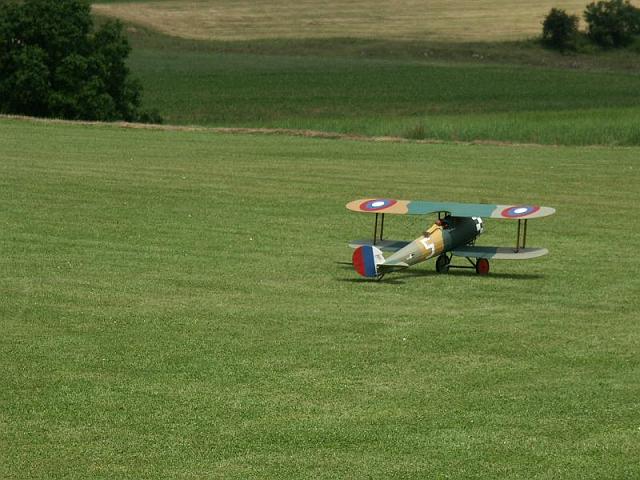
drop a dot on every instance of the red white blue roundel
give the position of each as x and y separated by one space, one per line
377 204
519 211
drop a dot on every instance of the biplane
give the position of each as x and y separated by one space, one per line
452 235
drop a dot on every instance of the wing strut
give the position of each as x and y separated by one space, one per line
524 234
375 229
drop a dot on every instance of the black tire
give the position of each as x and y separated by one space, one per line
442 264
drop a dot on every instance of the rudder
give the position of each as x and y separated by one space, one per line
366 260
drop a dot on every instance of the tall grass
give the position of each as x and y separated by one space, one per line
397 98
247 19
615 126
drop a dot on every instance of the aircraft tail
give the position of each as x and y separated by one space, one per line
366 260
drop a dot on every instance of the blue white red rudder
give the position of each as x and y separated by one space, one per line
366 260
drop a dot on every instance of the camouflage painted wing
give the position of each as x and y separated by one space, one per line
499 253
417 207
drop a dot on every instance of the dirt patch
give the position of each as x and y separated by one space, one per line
264 131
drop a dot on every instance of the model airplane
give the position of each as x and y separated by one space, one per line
453 234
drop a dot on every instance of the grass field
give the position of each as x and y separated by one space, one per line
393 97
468 20
179 304
366 73
172 306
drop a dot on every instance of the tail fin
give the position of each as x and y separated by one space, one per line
366 260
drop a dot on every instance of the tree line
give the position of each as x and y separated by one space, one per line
54 62
610 24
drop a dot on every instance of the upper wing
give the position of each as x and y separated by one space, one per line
413 207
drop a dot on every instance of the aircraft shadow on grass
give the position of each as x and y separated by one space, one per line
404 274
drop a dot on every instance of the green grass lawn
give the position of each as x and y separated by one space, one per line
173 305
451 93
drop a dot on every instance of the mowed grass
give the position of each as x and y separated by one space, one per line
408 98
173 305
467 20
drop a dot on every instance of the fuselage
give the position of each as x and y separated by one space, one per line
444 235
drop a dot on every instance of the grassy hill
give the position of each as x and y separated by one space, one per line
392 97
375 80
173 305
468 20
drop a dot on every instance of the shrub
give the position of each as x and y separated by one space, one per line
612 23
419 132
53 63
560 30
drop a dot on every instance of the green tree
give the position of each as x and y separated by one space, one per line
560 30
54 63
612 23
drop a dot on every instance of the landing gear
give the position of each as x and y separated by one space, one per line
442 264
482 266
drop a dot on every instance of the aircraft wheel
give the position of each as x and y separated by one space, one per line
482 266
442 264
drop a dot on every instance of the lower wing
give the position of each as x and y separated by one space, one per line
499 253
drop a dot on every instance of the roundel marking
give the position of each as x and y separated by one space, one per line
364 261
519 211
377 204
